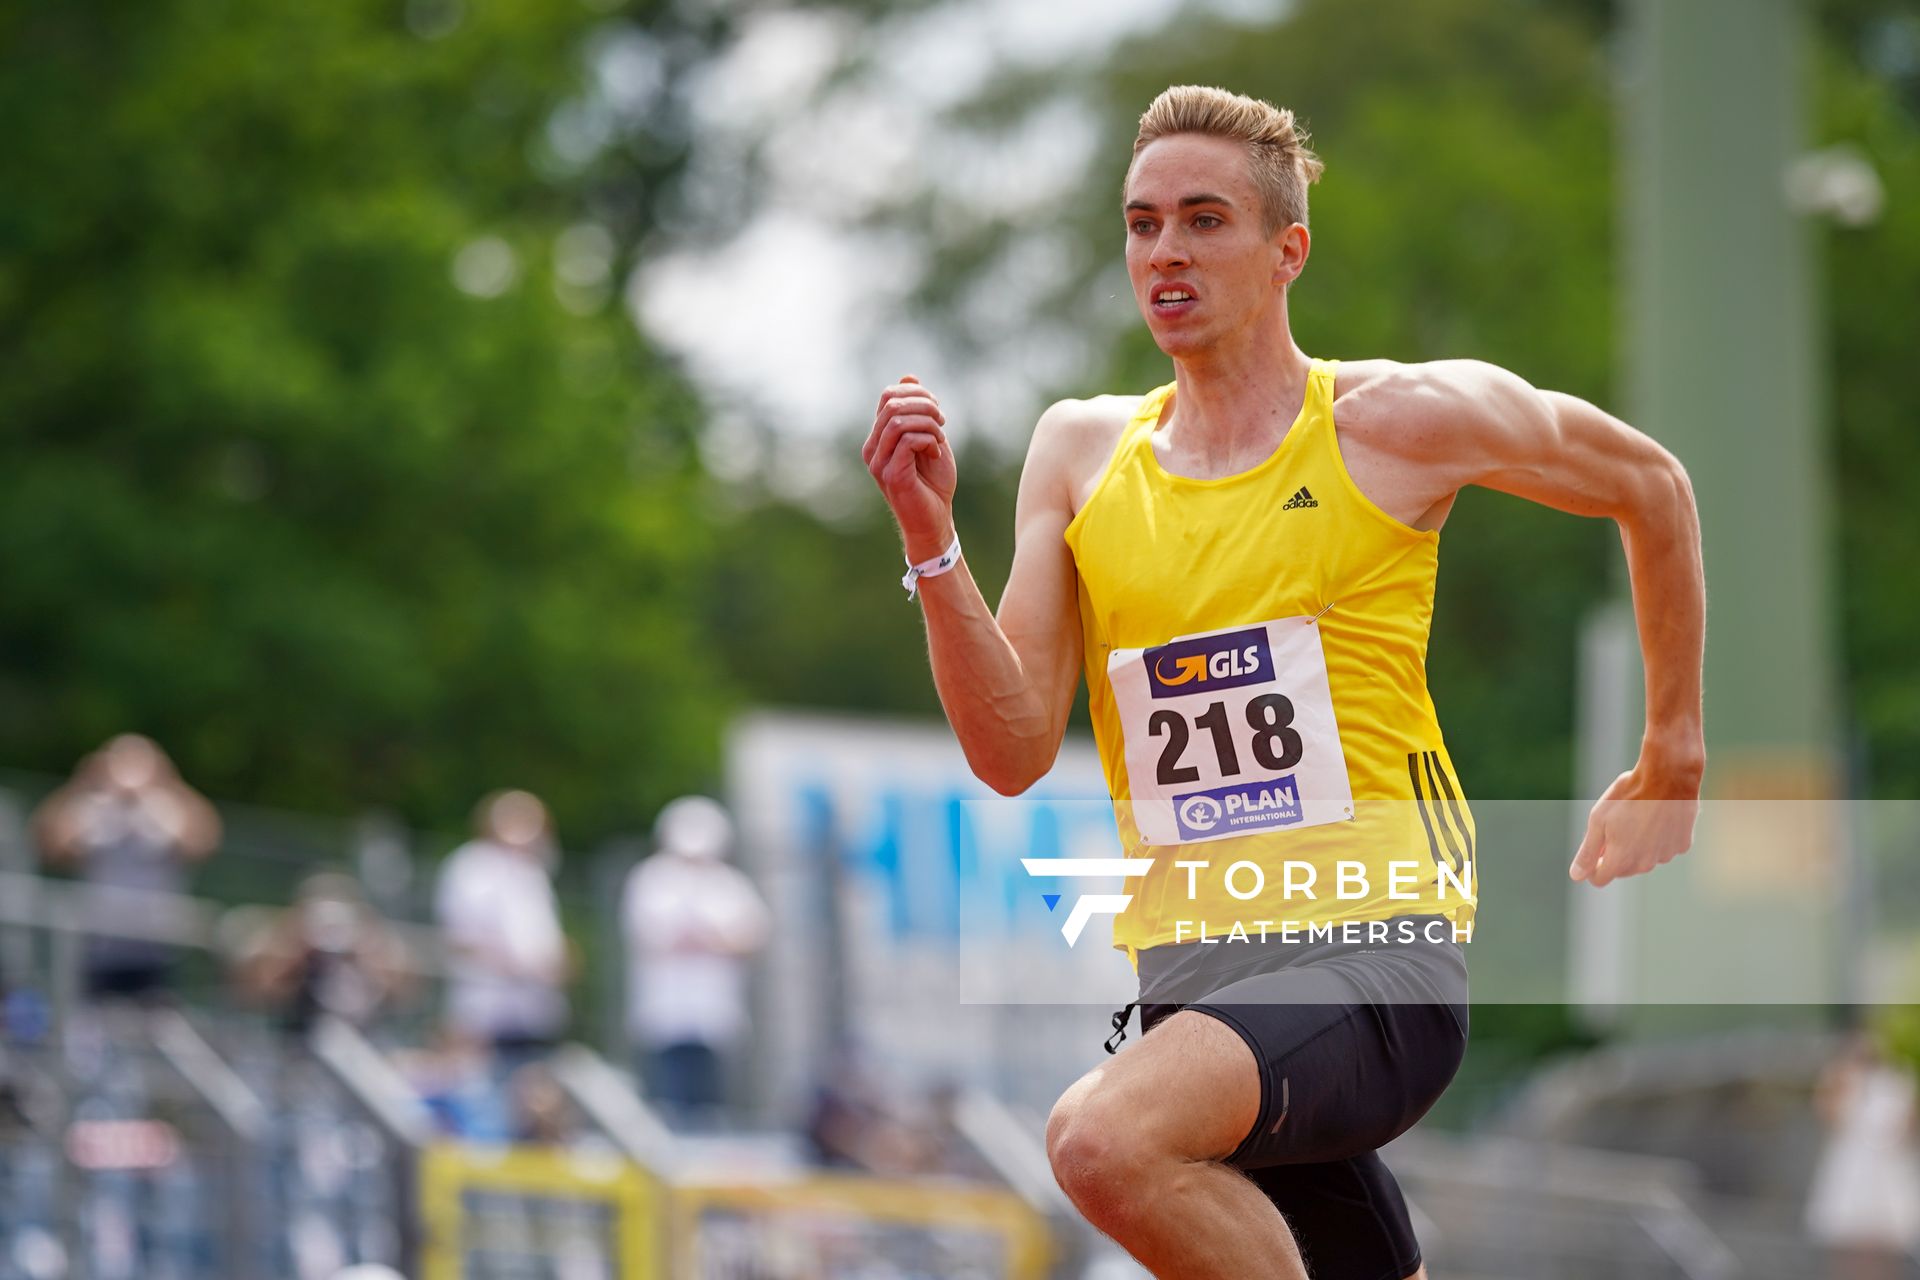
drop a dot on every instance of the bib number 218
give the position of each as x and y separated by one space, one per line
1228 733
1275 744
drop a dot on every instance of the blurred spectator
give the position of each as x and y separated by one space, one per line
126 821
854 1125
469 1099
691 921
857 1122
950 1153
454 1078
330 953
1865 1203
541 1114
508 962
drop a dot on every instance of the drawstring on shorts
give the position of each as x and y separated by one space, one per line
1119 1035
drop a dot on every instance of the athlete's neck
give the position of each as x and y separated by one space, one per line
1230 408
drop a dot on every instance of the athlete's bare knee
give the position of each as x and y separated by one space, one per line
1118 1183
1125 1139
1421 1274
1097 1159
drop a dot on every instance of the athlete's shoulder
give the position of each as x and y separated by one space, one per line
1089 421
1075 436
1374 387
1071 446
1410 403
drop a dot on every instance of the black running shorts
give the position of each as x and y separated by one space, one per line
1355 1041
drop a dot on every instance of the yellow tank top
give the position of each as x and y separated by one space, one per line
1291 543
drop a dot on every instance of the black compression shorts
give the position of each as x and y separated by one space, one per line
1355 1041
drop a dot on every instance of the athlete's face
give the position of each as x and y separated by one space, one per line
1198 252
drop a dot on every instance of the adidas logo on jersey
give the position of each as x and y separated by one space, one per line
1300 499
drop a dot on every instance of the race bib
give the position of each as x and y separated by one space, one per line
1229 733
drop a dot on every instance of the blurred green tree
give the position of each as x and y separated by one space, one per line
330 456
1869 100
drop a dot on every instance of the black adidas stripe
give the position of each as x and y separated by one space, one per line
1413 775
1453 803
1434 818
1440 815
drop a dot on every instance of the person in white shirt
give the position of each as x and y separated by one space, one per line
1864 1205
508 957
691 923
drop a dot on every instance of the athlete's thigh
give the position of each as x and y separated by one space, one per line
1189 1088
1306 1004
1341 1074
1347 1216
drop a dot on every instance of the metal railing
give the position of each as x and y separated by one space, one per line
1557 1212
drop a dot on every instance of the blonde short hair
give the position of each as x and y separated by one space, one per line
1276 146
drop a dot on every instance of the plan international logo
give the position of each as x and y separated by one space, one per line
1087 906
1241 806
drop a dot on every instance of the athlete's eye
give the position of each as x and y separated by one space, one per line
1143 226
1206 221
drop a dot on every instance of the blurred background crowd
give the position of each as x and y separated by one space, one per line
132 832
405 399
454 995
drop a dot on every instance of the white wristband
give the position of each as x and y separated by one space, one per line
931 568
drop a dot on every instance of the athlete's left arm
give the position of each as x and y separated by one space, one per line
1560 451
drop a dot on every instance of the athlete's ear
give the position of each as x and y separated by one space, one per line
1290 248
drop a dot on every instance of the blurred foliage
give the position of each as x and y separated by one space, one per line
276 491
1869 97
810 612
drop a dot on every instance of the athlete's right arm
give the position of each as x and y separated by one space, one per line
1007 683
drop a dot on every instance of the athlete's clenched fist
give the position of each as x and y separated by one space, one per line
909 458
1639 823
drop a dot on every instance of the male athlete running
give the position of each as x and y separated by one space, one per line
1243 561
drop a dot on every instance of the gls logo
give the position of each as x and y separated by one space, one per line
1208 663
1090 905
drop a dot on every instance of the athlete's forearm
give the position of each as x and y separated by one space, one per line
995 707
1660 530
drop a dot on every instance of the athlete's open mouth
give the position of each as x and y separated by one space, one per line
1173 298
